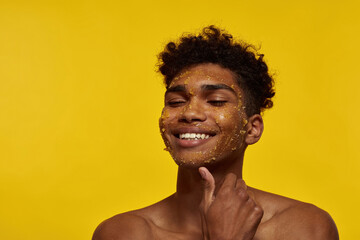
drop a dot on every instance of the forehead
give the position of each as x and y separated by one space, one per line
205 73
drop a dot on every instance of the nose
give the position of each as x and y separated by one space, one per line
193 112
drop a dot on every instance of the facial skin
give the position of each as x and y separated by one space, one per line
204 100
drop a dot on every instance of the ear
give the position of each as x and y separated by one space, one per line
254 129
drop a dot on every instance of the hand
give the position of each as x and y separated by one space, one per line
230 215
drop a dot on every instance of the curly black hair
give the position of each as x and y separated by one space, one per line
214 45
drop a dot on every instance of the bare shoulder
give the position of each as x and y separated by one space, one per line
309 222
137 224
287 218
124 226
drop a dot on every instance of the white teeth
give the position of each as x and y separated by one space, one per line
193 136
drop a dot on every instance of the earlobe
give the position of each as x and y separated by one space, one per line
254 129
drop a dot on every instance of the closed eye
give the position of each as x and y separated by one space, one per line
217 103
176 103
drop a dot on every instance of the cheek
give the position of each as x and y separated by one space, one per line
164 122
232 125
163 117
165 114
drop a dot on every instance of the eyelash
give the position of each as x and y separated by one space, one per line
217 103
175 103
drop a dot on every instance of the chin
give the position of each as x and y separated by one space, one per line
197 159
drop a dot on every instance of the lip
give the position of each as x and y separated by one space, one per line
192 143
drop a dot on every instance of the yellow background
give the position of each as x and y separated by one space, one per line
80 101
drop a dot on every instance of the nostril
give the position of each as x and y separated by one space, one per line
190 120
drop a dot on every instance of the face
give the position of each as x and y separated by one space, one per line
203 120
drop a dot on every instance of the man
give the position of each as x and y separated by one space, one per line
216 90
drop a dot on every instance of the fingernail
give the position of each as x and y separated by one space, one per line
202 173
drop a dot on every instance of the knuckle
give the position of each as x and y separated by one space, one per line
258 211
242 194
225 190
240 183
251 203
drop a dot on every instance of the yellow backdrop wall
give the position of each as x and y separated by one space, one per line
80 102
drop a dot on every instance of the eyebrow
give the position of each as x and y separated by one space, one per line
210 87
207 87
178 88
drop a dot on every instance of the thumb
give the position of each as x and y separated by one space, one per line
209 187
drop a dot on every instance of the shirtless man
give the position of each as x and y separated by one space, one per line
216 90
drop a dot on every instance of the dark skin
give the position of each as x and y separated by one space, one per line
212 201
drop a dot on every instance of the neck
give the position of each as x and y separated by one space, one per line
189 181
190 186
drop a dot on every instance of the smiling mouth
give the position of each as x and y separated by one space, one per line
193 136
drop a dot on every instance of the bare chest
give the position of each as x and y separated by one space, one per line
264 232
162 234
